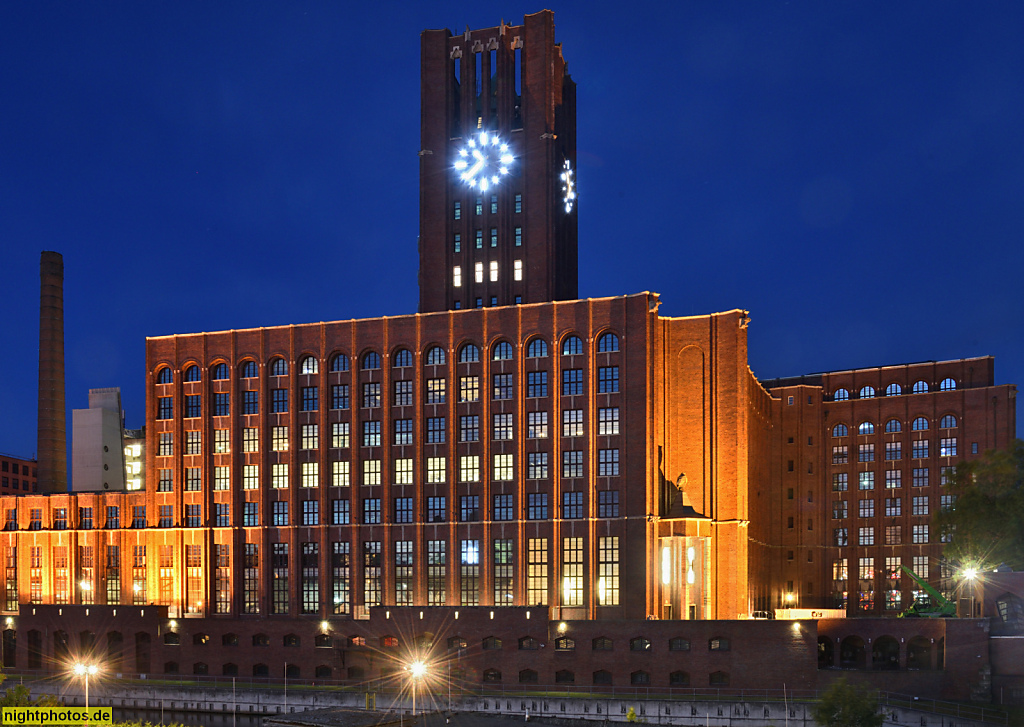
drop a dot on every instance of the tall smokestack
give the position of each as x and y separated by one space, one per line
52 434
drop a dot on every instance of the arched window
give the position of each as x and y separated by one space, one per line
527 676
920 387
229 670
219 371
920 424
260 640
172 638
435 356
602 643
309 365
371 361
292 671
867 392
678 644
528 643
841 395
260 670
885 654
193 373
640 678
388 642
718 679
249 370
564 643
357 641
538 348
639 644
291 640
200 639
572 346
866 428
278 367
170 667
719 643
323 671
356 672
492 676
947 422
602 678
840 430
893 390
229 640
469 354
339 363
947 385
457 642
492 643
503 351
323 641
608 343
164 376
892 426
679 679
564 676
402 358
200 668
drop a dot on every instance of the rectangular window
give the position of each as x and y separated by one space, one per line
403 573
840 482
920 533
607 462
435 391
893 535
250 514
519 203
251 579
519 236
893 451
608 503
371 511
403 471
193 479
310 436
138 575
494 243
572 422
469 428
279 401
113 517
572 382
469 389
457 211
437 586
572 463
608 421
403 432
572 505
866 480
457 278
469 508
340 476
572 571
250 402
166 446
403 393
504 567
494 268
340 435
517 270
537 425
279 475
458 242
310 398
403 510
278 439
310 512
437 509
920 505
371 471
280 514
250 440
250 476
502 427
280 572
920 477
893 479
537 571
503 507
866 508
502 387
839 509
310 578
165 407
479 244
537 465
866 536
469 468
478 268
371 434
607 379
839 537
919 449
138 517
221 404
946 475
920 563
866 453
608 571
371 395
339 396
893 507
536 506
193 442
221 478
947 447
494 204
436 430
221 514
536 384
341 512
840 454
193 516
221 441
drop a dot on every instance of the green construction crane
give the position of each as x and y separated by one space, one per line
935 605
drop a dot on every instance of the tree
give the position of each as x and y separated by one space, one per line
986 521
844 705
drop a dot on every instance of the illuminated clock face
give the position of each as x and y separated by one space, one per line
568 186
484 161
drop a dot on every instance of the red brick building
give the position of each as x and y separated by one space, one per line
18 475
508 468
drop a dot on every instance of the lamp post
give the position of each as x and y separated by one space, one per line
417 670
85 670
970 574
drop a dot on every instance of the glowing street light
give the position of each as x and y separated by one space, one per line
85 670
970 573
417 670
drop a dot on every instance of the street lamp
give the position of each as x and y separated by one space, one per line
85 670
970 575
417 670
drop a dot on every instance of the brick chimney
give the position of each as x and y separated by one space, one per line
51 433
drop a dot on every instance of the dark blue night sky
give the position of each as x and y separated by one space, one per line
850 173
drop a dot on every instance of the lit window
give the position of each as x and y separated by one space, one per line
537 425
494 237
503 468
279 475
435 470
866 428
608 421
403 471
572 463
866 480
572 422
920 533
340 476
371 471
893 479
866 508
457 276
479 239
919 449
866 536
503 427
519 203
469 468
494 271
841 395
519 236
478 272
947 447
840 482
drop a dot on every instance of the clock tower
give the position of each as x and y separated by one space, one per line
497 168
